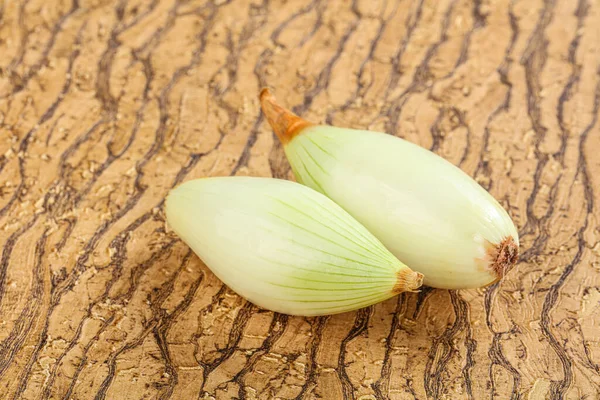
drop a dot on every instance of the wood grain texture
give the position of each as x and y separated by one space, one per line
106 105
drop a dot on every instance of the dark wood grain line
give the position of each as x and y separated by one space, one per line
31 311
470 345
25 374
215 300
20 82
443 349
7 250
559 388
317 325
110 104
361 89
82 361
495 351
231 64
10 243
436 131
135 20
395 71
534 60
303 11
112 155
149 328
3 159
24 145
51 130
263 59
245 155
43 336
566 94
479 21
47 390
24 36
235 335
381 386
503 70
166 322
316 26
103 94
422 298
421 75
463 122
145 49
588 361
112 368
572 81
324 75
217 92
361 324
275 331
28 316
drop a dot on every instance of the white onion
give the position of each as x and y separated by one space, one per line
426 211
284 246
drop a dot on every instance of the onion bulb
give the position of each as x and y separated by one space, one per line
425 210
284 246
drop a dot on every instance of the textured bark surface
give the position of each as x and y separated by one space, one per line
106 105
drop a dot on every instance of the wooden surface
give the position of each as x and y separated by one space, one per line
106 105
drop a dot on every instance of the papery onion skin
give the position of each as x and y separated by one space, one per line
284 246
425 210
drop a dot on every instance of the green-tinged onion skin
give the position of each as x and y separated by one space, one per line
284 246
426 211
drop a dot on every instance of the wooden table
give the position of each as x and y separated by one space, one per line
106 105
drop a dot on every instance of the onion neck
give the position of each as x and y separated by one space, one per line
284 122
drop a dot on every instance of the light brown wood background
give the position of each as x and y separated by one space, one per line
106 105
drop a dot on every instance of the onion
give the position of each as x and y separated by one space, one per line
426 211
284 246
